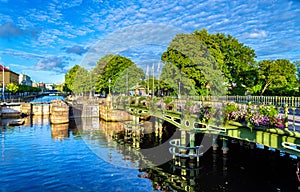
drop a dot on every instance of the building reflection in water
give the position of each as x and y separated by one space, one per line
60 131
39 120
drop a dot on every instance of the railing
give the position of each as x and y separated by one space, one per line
287 106
274 100
177 149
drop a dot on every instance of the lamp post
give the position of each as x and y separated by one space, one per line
3 82
207 87
109 81
178 89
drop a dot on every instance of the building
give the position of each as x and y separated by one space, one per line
25 80
35 84
138 90
9 76
49 86
42 86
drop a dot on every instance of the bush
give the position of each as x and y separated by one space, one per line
268 110
230 107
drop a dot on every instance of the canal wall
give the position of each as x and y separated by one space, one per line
58 111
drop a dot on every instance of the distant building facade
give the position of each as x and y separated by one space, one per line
25 80
42 86
35 84
49 86
9 76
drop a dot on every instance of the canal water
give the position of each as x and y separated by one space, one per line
92 155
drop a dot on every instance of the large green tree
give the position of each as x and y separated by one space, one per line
193 59
81 77
176 82
130 77
111 72
277 77
234 59
70 78
297 64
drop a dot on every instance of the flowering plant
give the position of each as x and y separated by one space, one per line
239 116
278 122
267 117
205 113
258 119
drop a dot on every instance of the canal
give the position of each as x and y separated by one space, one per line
88 154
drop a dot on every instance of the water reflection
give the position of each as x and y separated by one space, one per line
39 120
235 165
60 131
244 167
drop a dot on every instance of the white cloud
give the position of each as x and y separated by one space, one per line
259 34
52 63
20 54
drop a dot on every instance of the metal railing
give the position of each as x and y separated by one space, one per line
274 100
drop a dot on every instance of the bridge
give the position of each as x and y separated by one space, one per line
286 140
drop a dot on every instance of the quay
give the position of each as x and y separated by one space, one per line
57 110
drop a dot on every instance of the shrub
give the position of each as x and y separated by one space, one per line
268 110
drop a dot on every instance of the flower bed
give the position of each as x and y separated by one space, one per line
266 117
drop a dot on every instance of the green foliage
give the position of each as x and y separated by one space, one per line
26 88
11 87
142 98
113 69
230 107
234 59
268 110
168 100
174 80
190 57
101 64
277 77
70 78
80 79
130 78
206 113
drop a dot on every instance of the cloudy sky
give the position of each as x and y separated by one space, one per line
44 39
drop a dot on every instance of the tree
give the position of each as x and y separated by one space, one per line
111 72
129 78
277 77
297 64
234 59
70 78
11 87
175 81
102 63
193 59
80 79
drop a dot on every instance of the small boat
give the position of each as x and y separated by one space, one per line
16 122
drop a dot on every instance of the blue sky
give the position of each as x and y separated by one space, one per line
44 39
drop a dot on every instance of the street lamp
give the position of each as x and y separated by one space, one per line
109 81
207 87
3 82
178 89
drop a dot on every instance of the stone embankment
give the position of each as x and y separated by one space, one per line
57 110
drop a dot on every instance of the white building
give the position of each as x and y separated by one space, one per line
49 86
25 80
